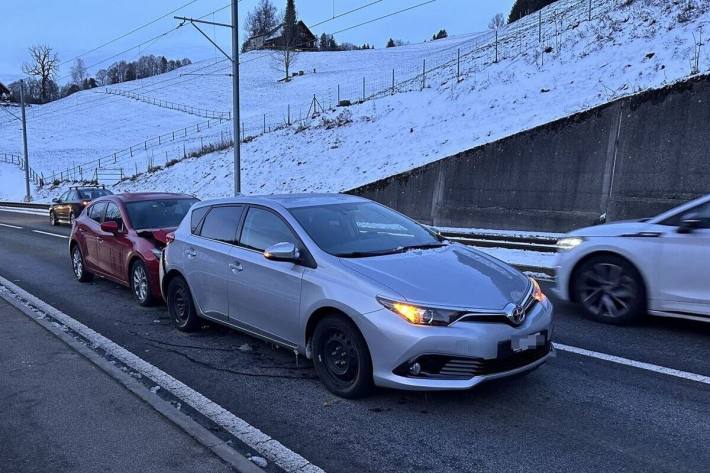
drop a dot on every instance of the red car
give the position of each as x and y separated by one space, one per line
120 237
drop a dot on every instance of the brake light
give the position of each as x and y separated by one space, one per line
169 238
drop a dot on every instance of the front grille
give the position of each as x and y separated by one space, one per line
445 367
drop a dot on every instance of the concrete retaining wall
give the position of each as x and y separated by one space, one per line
631 158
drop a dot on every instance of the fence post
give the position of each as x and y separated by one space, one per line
131 150
458 65
184 153
338 94
264 123
159 139
289 115
590 10
393 81
244 133
363 89
145 145
173 136
114 158
424 75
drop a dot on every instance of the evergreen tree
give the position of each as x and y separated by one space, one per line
522 8
391 43
290 31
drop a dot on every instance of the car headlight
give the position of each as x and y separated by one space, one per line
537 294
419 315
567 244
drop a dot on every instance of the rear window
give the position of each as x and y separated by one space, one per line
221 224
154 214
196 218
91 194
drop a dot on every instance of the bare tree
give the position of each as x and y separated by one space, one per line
78 71
286 53
262 19
497 22
44 66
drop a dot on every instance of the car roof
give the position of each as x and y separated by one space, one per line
139 196
287 200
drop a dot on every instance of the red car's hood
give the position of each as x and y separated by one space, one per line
158 234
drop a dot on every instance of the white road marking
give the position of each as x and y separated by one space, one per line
18 210
10 226
636 364
253 437
50 234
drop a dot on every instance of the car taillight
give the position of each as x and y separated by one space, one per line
169 238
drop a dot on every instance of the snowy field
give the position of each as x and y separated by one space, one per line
628 47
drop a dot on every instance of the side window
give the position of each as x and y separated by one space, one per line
96 211
196 218
73 196
113 214
263 229
221 224
63 197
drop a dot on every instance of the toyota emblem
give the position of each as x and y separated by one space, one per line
515 314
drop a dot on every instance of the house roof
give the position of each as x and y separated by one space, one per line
3 89
277 32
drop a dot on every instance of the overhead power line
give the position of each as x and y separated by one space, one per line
118 38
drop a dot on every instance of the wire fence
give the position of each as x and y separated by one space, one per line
80 171
540 37
18 160
201 112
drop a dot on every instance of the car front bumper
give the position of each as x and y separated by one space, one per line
395 343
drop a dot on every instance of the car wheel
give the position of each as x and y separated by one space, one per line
53 219
77 261
181 307
610 290
341 358
140 284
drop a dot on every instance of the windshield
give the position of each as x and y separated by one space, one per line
91 194
153 214
362 229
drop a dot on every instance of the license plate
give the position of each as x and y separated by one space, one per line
527 342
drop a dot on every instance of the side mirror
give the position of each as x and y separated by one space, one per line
55 201
282 252
109 227
688 225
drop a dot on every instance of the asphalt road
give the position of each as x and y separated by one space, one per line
575 413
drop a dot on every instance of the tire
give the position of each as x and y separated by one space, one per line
341 358
610 290
78 265
140 286
181 307
53 221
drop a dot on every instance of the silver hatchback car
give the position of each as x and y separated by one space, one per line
372 297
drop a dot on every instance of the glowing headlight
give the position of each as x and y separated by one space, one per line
421 315
537 294
567 244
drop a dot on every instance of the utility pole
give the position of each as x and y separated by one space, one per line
28 197
235 82
235 98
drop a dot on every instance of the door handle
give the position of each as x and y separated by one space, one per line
236 267
190 253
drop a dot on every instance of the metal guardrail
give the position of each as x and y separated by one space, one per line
25 205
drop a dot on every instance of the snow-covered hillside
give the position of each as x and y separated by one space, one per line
627 47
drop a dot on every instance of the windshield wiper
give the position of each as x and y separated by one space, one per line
424 246
392 251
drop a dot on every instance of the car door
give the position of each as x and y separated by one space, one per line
90 232
60 209
114 249
684 270
265 295
207 257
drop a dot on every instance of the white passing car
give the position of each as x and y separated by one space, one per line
619 272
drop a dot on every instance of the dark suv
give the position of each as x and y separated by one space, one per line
70 204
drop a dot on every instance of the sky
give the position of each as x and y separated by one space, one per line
75 27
